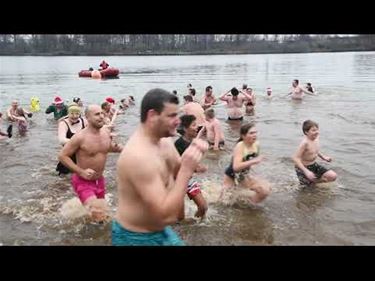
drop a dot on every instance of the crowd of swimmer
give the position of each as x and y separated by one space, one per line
151 197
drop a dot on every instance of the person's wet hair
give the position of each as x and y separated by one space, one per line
188 98
307 125
155 99
234 91
105 104
186 121
208 88
244 87
244 130
132 98
192 91
296 80
210 113
122 100
308 84
174 92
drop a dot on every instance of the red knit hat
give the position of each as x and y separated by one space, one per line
58 100
110 100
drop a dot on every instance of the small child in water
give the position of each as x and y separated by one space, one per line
307 169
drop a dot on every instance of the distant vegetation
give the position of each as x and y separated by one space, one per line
179 44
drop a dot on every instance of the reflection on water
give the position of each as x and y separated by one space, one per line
33 197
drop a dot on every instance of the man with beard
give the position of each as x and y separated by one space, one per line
152 178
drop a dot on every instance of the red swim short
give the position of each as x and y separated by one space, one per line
88 188
193 189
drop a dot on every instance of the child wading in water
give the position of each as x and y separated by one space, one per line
245 155
307 169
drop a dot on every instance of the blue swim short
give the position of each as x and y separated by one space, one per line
124 237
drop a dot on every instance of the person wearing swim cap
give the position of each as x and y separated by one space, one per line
67 128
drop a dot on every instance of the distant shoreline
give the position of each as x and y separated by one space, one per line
181 53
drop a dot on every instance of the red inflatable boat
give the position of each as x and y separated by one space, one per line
109 72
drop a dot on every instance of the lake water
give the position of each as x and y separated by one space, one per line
341 213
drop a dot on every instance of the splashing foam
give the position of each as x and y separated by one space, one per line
212 190
54 211
73 209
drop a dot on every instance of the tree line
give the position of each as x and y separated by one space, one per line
179 44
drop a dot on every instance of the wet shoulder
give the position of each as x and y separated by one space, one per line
256 147
166 143
239 145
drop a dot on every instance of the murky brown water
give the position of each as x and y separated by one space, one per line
341 213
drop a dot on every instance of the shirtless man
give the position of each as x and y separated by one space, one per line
152 178
307 169
215 135
208 99
91 146
250 104
235 103
297 91
193 108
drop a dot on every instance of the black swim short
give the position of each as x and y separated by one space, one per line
221 143
229 172
317 169
236 119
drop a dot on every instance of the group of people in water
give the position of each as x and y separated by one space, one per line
151 197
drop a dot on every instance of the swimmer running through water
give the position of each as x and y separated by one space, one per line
91 146
245 155
308 170
151 196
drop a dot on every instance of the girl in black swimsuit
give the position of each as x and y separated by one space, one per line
69 134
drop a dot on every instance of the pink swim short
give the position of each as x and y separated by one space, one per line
87 188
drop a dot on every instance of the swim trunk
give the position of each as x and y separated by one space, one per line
193 189
124 237
317 169
236 177
87 188
235 119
